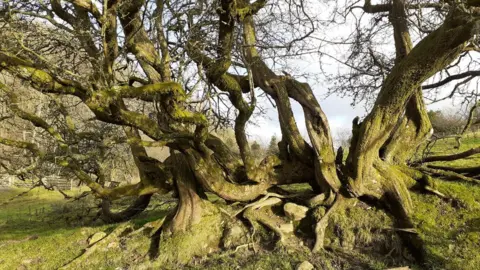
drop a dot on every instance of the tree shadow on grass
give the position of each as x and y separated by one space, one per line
471 225
45 217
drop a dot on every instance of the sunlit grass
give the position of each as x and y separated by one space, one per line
451 229
40 230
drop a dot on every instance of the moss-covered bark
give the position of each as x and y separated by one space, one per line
281 88
373 170
197 227
414 127
429 56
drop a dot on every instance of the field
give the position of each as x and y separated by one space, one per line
42 230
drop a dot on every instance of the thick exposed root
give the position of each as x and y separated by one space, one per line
452 157
322 222
473 172
448 174
435 192
405 227
425 181
199 239
212 177
323 199
267 200
196 228
399 204
263 214
137 207
190 208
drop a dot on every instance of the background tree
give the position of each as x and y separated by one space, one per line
447 123
272 146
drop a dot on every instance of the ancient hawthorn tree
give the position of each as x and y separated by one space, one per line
176 70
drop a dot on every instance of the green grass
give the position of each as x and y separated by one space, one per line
33 232
451 229
42 230
446 146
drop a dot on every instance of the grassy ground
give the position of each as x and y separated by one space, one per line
451 229
36 233
42 230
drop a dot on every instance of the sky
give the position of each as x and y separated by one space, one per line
338 110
